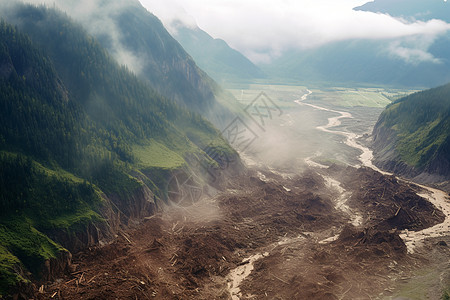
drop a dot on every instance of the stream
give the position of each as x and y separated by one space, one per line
341 201
412 239
238 274
437 197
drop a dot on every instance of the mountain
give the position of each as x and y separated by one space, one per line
412 136
407 62
138 39
86 146
410 9
215 56
363 61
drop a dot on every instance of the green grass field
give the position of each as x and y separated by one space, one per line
156 155
361 97
284 95
358 97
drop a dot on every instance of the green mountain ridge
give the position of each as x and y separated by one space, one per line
412 135
223 63
80 138
136 37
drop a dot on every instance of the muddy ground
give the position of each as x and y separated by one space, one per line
311 249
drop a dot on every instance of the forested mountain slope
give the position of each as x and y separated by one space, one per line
137 38
85 146
412 136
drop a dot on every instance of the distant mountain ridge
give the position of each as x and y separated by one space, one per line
412 136
410 9
215 56
408 62
360 62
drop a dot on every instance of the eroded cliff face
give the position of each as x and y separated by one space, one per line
116 213
387 157
412 136
75 116
120 213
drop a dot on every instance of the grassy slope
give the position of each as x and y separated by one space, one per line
44 200
81 126
421 125
157 155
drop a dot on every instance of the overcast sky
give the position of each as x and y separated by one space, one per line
264 29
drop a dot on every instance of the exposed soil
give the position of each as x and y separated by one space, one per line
331 233
309 248
388 204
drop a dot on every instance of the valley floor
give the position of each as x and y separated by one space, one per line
283 230
303 246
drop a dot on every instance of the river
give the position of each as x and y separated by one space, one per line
437 197
412 239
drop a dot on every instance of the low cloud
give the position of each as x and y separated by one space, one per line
265 29
98 18
413 50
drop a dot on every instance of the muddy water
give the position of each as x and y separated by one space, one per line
437 197
309 161
240 273
411 239
341 201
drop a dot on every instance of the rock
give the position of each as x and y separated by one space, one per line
442 243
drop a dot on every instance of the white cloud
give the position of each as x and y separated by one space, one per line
413 50
97 16
264 29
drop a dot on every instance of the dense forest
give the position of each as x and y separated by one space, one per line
415 130
134 36
71 122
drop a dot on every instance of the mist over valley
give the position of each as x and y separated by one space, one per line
224 150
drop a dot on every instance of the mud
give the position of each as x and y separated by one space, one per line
330 232
300 245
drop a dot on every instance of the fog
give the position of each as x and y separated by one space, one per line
290 131
264 30
99 24
289 137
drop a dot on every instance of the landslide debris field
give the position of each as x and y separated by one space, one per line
325 234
